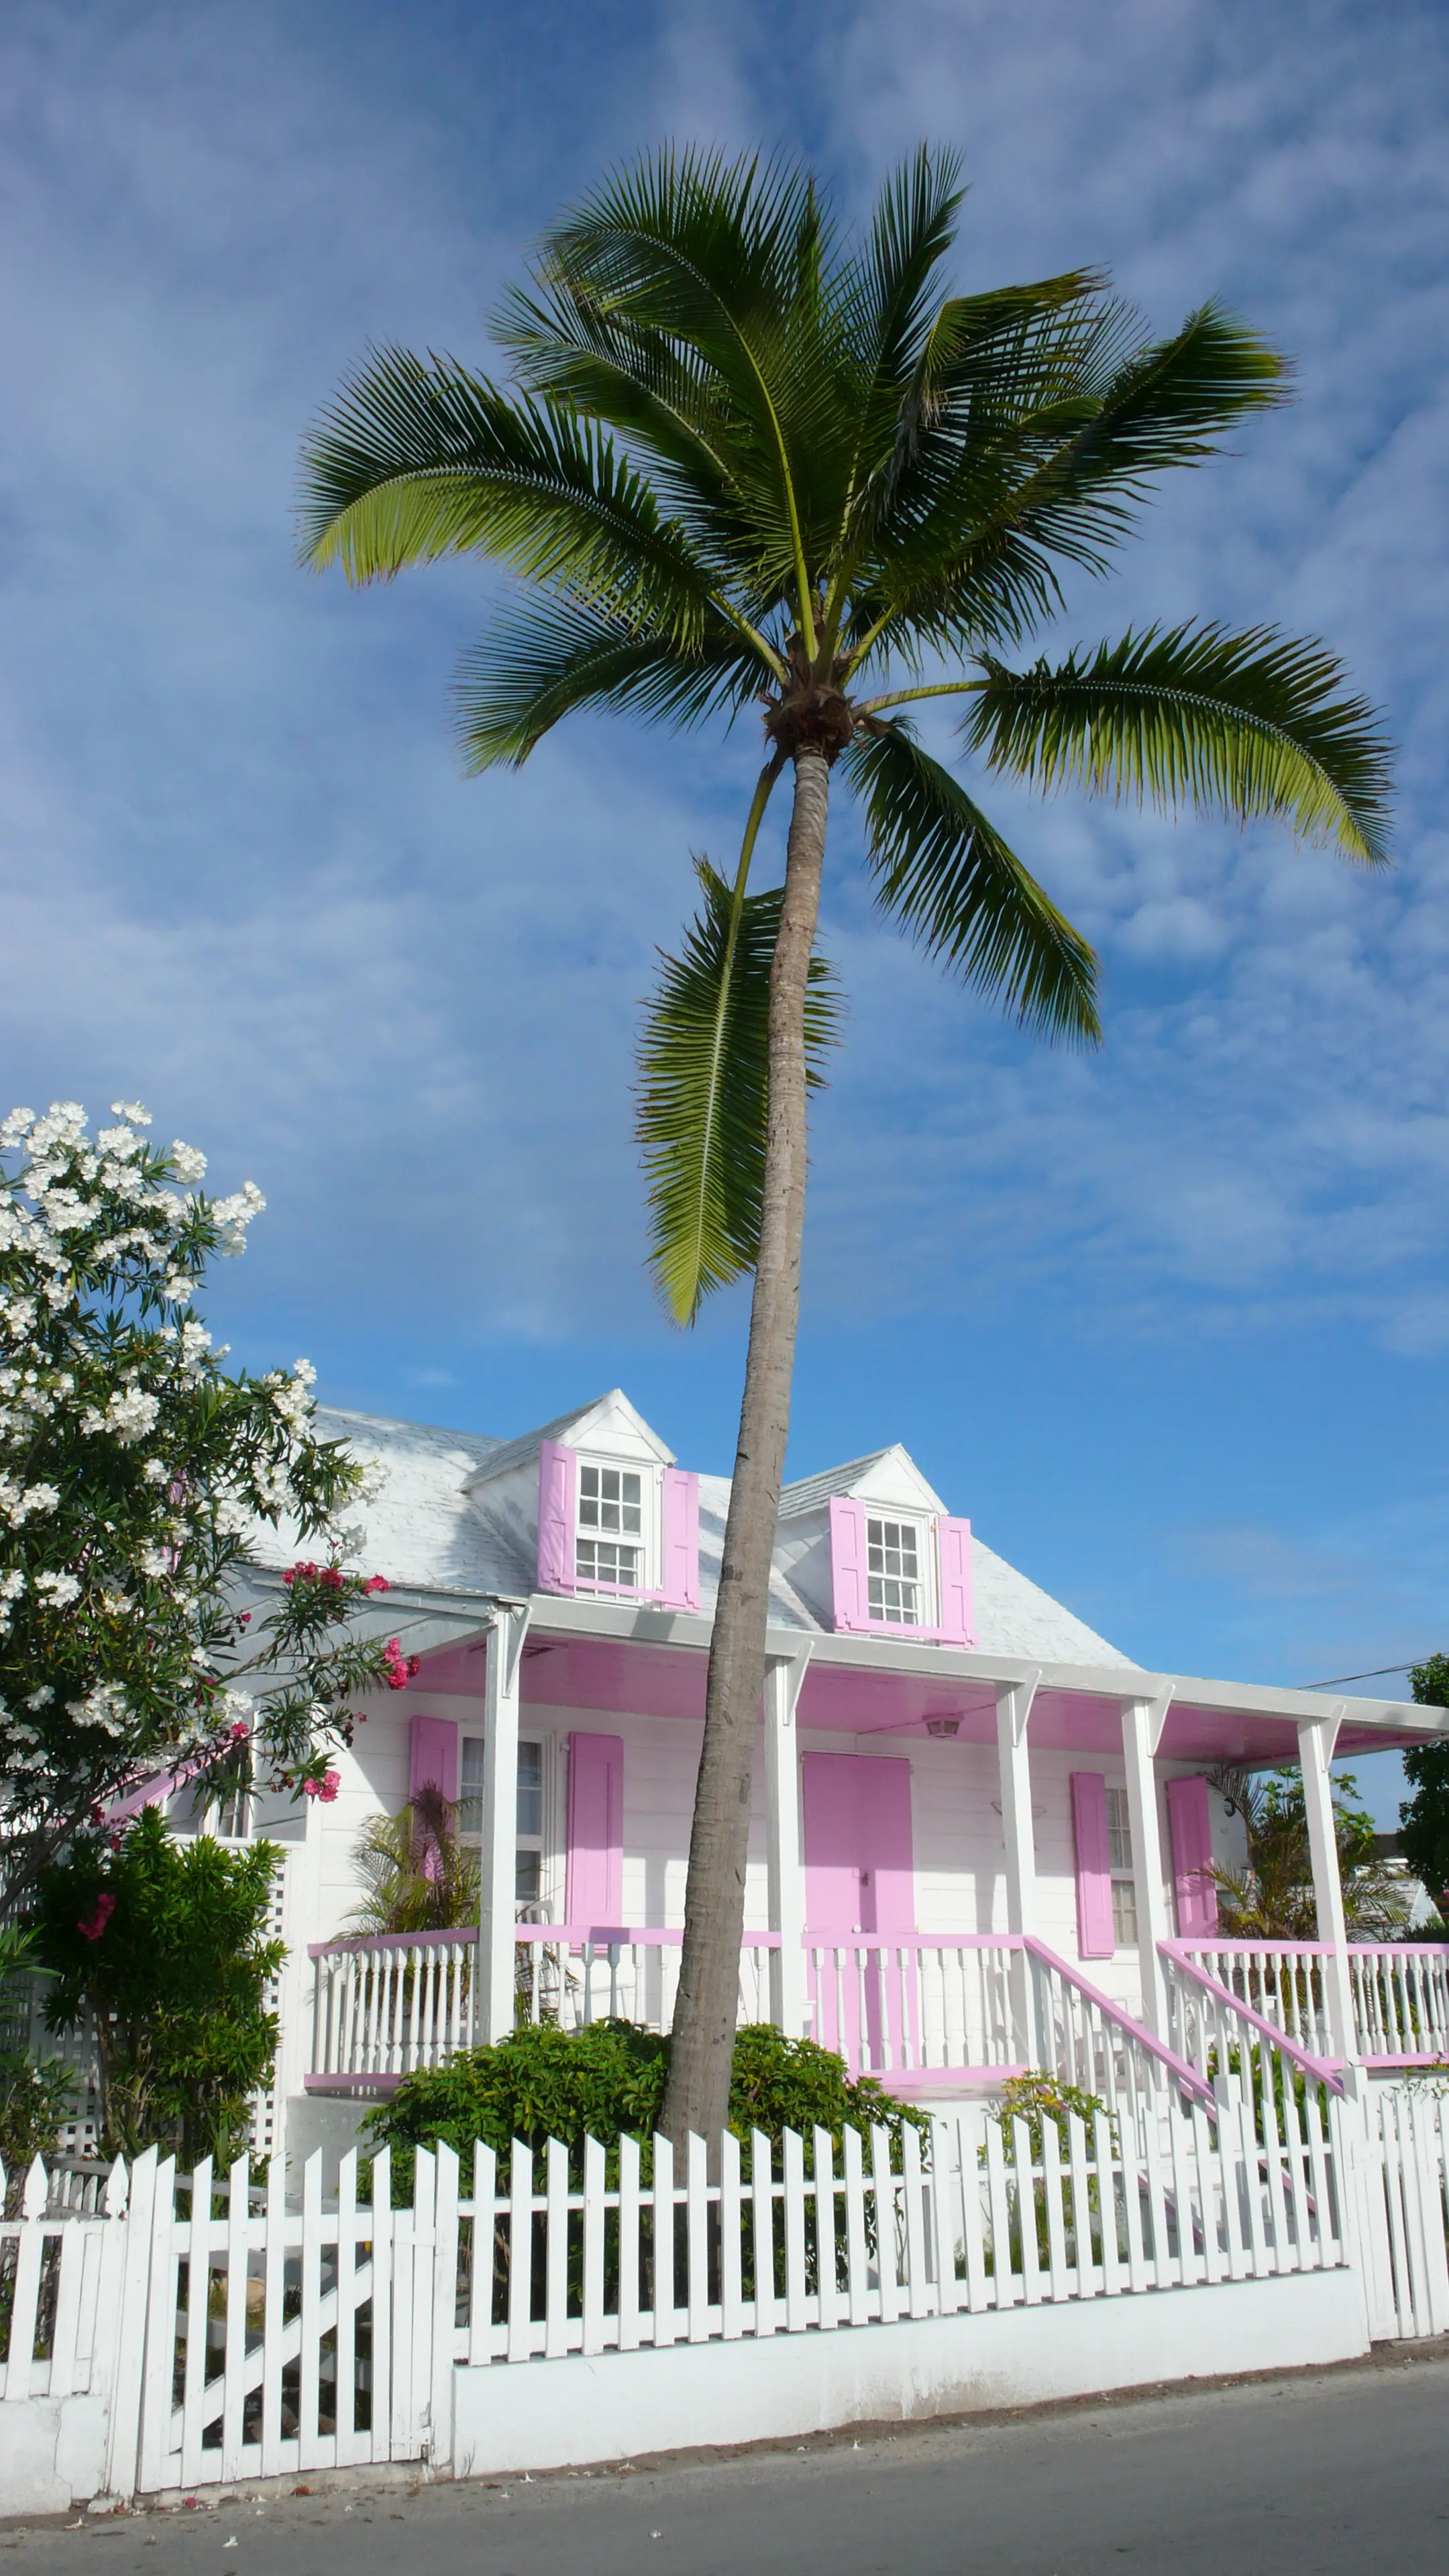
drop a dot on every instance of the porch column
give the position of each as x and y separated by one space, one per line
497 1860
783 1677
1013 1709
1142 1724
1317 1737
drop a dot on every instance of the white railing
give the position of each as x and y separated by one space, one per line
241 2332
916 2003
576 1974
1085 2039
1400 2002
388 2004
1227 2039
1282 1981
1400 1993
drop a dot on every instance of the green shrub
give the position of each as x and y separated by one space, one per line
161 1945
1036 2097
607 2082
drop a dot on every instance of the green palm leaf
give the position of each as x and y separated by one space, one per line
1253 724
704 1089
944 872
543 664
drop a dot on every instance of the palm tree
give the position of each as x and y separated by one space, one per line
745 460
418 1876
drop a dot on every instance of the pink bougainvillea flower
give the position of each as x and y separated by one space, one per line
377 1583
105 1908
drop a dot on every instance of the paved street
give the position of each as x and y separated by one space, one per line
1347 2471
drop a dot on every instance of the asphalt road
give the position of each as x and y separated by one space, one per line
1344 2470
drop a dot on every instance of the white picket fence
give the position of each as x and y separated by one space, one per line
237 2333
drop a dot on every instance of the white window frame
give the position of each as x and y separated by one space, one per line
928 1560
1120 1866
539 1909
650 1540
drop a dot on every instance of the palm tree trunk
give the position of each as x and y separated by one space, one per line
714 1902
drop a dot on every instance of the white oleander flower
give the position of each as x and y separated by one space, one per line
41 1698
17 1125
132 1111
188 1162
12 1583
155 1562
59 1590
131 1413
155 1472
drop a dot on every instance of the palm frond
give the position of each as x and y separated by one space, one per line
1254 724
415 461
944 872
544 663
704 1089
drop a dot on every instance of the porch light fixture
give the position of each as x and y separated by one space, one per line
943 1726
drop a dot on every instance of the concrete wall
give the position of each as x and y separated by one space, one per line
619 2406
52 2453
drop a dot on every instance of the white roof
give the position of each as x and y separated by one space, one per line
423 1528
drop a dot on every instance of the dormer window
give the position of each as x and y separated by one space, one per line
609 1544
893 1572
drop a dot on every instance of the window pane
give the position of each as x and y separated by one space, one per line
1124 1914
528 1878
606 1560
530 1789
470 1786
1119 1829
893 1569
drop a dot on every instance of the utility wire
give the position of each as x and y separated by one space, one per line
1379 1673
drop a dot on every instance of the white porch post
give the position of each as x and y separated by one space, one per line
1142 1724
1013 1709
497 1870
1317 1737
783 1677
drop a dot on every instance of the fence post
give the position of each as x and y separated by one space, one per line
445 2306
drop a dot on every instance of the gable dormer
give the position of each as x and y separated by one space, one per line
876 1550
607 1511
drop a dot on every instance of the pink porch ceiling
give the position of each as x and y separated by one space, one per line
627 1678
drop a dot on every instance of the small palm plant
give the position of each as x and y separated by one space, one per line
749 463
418 1876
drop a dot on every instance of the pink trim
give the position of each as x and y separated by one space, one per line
1186 2075
847 1563
1095 1936
681 1539
595 1888
1190 1832
1325 2070
352 2083
558 1512
947 2079
954 1555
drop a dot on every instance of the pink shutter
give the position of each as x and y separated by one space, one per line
681 1539
1094 1865
433 1757
1192 1858
847 1562
558 1512
594 1895
957 1628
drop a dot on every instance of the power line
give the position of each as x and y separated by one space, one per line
1379 1673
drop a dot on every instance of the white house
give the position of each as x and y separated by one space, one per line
981 1833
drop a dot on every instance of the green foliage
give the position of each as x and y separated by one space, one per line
418 1876
36 2094
608 2081
1271 1898
1424 1817
160 1945
704 1066
746 457
1036 2097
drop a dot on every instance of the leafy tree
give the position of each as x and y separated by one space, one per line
417 1874
134 1471
1271 1898
1425 1816
159 1945
746 461
36 2094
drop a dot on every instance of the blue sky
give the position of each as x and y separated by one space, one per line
1172 1325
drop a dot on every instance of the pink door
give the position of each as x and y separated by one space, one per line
859 1883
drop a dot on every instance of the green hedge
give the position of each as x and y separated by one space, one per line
608 2082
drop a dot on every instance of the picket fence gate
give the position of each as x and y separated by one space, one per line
237 2333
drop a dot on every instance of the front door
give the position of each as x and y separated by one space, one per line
859 1883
